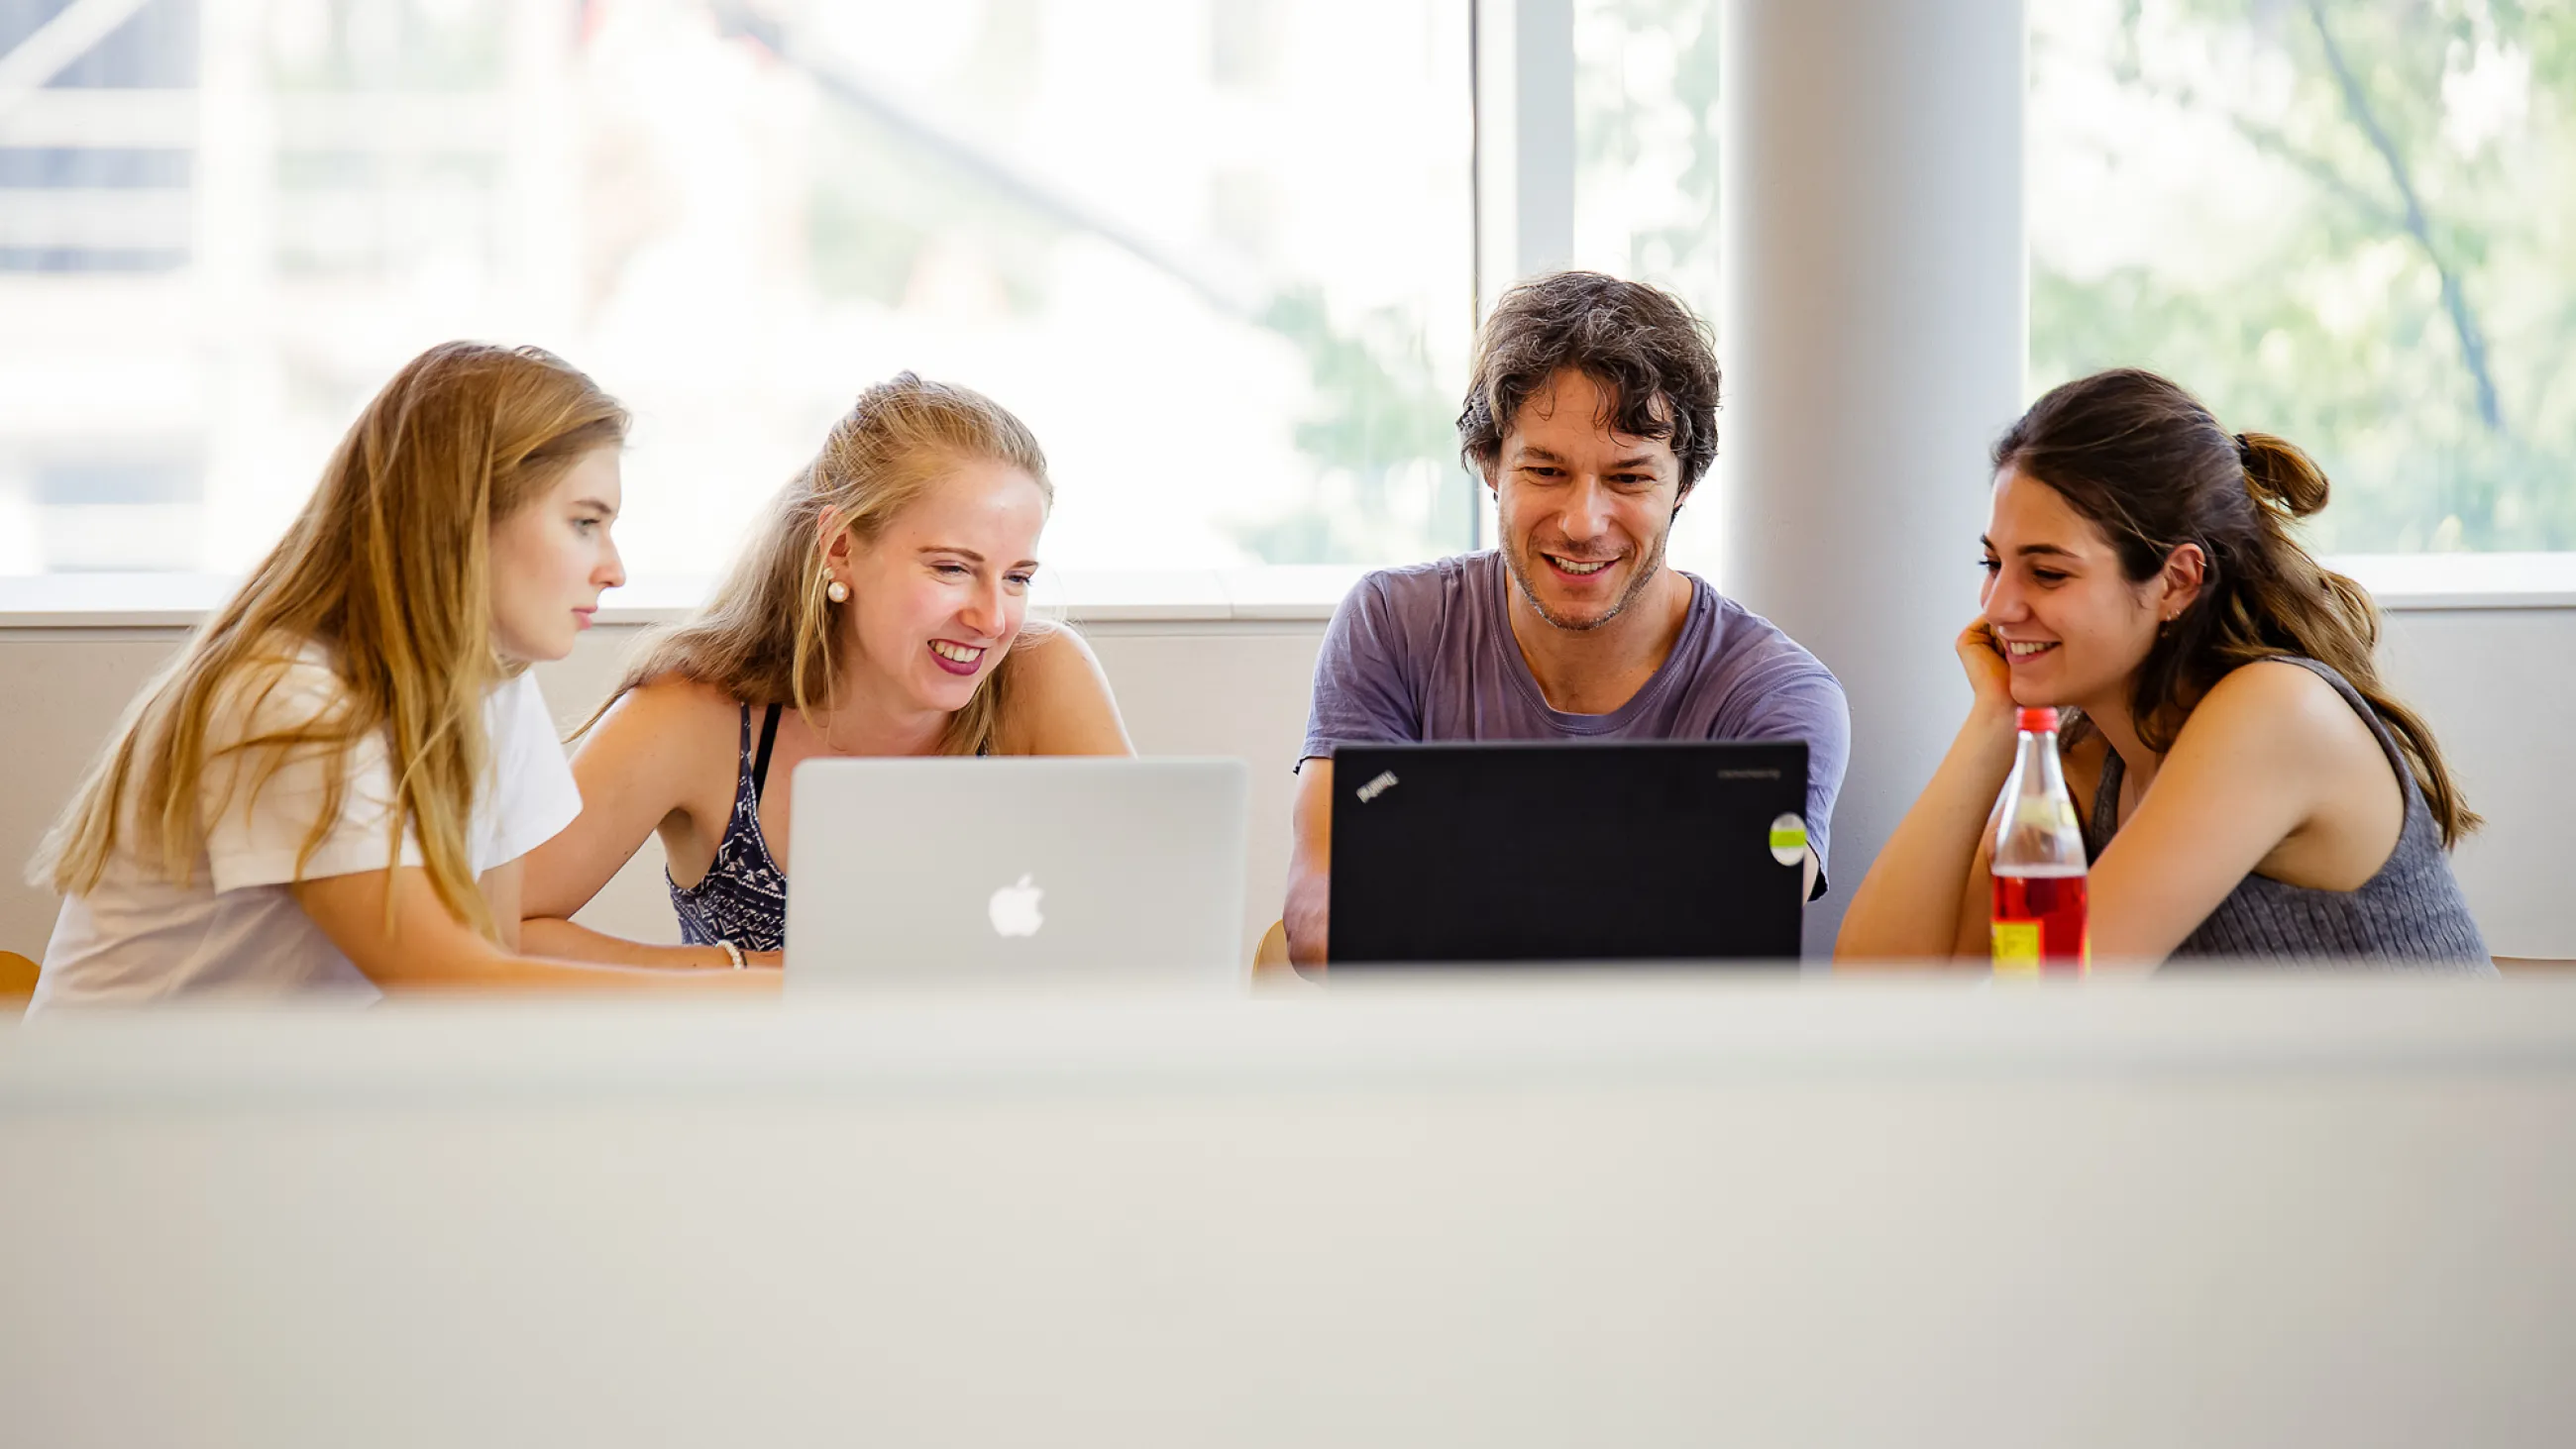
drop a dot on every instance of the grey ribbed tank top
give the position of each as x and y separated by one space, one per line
2409 915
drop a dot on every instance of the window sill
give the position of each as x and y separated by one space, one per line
1308 593
1294 593
2422 582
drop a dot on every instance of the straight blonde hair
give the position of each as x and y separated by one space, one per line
766 637
389 567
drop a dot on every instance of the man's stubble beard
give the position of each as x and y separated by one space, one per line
1653 565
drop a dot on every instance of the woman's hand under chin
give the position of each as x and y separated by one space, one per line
1983 660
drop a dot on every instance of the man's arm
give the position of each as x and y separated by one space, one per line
1363 691
1310 867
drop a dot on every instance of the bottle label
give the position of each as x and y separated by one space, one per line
2016 948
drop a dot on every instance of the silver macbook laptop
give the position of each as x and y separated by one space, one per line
968 872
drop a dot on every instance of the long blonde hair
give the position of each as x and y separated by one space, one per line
388 567
766 637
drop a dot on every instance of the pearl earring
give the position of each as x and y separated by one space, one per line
837 592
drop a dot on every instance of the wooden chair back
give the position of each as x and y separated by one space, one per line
17 982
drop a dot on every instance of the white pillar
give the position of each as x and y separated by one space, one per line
1873 326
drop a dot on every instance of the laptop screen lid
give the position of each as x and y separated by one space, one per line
1600 851
958 873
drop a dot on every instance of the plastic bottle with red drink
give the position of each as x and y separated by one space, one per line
2039 918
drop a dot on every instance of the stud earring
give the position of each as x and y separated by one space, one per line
837 592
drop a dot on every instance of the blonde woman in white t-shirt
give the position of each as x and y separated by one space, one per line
332 786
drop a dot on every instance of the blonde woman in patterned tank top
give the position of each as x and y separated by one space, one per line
2270 799
881 609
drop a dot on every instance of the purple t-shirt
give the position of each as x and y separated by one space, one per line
1425 653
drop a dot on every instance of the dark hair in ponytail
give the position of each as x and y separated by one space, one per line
2152 468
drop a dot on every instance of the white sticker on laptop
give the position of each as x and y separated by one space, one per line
1788 839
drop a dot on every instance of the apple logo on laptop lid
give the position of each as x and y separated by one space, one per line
1013 909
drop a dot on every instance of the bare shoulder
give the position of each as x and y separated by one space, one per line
669 745
1058 650
1061 703
2278 712
1055 662
671 710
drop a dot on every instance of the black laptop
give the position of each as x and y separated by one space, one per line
1651 851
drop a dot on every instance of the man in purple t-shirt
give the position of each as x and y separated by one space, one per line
1591 415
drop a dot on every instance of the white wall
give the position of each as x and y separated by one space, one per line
2499 686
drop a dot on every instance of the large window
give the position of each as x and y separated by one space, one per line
1217 252
2352 224
1645 116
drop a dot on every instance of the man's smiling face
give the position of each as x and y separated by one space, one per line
1585 511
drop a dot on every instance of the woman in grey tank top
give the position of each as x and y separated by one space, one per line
2249 790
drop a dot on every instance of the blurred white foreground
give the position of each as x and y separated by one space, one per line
2214 1213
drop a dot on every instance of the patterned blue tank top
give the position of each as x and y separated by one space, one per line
743 896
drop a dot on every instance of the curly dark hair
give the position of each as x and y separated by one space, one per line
1650 355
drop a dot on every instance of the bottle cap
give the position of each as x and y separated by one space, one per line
2031 721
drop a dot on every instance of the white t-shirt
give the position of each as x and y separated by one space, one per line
137 936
